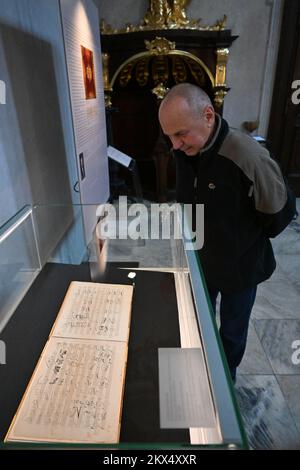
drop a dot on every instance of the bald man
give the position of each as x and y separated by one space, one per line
245 203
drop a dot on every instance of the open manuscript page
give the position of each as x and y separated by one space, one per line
76 391
95 311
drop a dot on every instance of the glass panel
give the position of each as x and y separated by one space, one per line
130 237
144 233
19 262
227 409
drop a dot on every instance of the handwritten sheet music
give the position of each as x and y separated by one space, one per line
76 391
75 394
96 311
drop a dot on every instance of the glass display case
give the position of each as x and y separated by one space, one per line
177 392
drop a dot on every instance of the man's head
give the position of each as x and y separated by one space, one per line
187 117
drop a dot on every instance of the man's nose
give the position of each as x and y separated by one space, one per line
177 143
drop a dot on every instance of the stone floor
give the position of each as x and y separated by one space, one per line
268 381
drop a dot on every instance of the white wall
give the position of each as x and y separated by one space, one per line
252 56
37 149
36 134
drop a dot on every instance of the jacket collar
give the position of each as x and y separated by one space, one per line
219 135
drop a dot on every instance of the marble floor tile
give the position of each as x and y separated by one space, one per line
277 297
277 337
290 387
287 249
290 264
288 242
267 418
255 360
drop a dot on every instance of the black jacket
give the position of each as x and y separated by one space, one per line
245 202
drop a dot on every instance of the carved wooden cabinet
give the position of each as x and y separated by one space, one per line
138 68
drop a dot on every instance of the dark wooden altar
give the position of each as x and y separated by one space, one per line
138 68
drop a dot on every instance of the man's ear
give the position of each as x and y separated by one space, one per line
209 114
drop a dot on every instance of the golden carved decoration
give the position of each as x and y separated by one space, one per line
142 71
178 16
220 76
157 69
219 96
137 62
107 100
125 75
197 72
160 69
165 14
160 91
159 46
157 13
219 24
105 63
222 58
179 70
106 84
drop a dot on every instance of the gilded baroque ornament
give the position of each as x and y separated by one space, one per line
159 46
160 91
160 69
165 14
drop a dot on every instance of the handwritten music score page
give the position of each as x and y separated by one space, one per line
75 393
95 311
